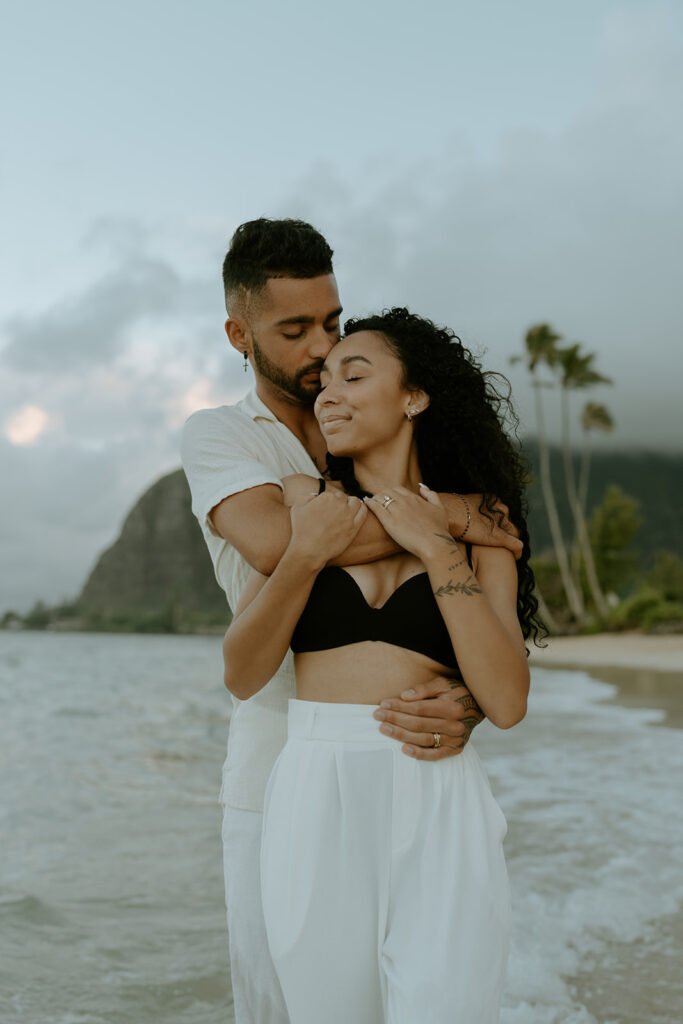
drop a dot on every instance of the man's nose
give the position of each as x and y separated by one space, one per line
320 343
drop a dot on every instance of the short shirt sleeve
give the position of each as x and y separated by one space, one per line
220 458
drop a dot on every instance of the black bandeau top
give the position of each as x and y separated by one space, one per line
337 614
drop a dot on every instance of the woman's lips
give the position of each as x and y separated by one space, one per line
333 421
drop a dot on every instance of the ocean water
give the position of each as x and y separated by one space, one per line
111 892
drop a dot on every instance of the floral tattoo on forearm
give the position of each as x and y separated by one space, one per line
469 587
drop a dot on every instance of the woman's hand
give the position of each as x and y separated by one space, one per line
415 521
324 526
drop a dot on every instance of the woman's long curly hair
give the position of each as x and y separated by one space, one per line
462 446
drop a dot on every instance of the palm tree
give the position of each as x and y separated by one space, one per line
541 349
594 417
576 372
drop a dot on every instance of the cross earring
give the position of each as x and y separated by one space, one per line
246 361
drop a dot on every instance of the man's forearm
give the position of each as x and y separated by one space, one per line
371 543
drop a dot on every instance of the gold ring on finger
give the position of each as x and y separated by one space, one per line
388 500
437 739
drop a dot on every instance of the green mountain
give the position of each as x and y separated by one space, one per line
159 558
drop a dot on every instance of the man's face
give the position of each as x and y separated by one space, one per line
293 325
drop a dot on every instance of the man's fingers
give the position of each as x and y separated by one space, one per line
513 544
431 753
430 689
422 724
424 739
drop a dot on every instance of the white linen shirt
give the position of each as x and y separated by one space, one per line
225 451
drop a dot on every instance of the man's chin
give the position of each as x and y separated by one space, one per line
308 391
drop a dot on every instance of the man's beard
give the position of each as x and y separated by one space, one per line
292 389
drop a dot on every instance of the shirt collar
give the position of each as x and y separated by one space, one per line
258 410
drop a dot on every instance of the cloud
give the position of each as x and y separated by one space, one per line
580 228
27 424
100 385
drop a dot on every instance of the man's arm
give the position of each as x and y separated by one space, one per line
257 523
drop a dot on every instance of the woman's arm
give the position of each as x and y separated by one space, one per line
479 609
269 608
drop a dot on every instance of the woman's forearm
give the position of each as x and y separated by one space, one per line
493 664
258 637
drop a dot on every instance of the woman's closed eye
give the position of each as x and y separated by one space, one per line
347 380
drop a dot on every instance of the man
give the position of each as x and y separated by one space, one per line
283 318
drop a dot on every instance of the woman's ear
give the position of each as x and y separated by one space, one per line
416 403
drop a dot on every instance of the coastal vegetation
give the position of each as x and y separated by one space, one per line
590 577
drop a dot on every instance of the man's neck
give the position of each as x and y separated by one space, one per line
299 418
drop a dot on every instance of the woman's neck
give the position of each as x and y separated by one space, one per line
379 469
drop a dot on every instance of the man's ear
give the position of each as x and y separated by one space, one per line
236 330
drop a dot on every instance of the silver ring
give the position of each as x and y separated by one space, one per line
387 501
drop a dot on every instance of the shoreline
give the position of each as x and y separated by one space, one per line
647 670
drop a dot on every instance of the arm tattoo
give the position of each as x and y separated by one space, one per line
454 544
449 540
468 588
469 703
456 565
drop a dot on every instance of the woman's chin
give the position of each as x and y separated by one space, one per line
337 448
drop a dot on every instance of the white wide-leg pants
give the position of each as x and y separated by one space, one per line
384 888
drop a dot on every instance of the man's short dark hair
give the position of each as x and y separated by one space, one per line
261 249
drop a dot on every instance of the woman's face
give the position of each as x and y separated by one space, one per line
362 403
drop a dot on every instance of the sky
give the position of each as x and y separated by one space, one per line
490 165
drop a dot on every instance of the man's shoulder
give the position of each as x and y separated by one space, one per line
219 422
220 415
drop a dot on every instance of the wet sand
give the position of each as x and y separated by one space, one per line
648 670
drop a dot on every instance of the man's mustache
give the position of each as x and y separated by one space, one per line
311 369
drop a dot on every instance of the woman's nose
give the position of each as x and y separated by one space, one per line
328 396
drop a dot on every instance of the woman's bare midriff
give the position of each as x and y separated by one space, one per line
364 673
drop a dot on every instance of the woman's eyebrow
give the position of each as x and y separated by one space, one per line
342 362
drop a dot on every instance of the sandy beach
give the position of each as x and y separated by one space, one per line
648 670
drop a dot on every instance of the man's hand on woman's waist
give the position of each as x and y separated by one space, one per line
442 706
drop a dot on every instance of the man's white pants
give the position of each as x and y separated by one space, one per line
256 990
384 887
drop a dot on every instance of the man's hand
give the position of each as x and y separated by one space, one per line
496 532
442 705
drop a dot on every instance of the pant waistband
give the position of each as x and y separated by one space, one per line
332 721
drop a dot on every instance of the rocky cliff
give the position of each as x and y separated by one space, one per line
159 557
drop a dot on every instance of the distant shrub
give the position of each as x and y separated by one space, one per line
666 576
38 617
664 613
629 614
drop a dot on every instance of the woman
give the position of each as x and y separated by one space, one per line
384 884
